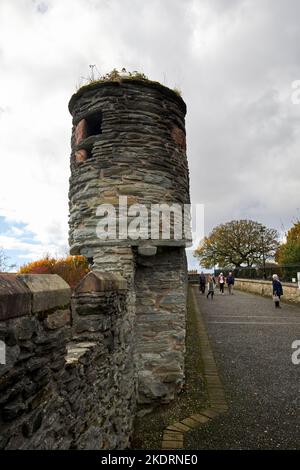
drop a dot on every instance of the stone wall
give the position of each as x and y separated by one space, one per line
291 292
160 324
102 316
68 381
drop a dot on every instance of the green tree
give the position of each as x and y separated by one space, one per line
237 243
289 252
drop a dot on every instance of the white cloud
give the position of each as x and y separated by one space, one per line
17 231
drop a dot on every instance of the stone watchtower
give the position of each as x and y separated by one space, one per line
128 141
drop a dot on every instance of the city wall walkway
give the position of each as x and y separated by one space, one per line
251 342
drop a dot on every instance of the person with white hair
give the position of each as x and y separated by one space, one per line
221 279
277 290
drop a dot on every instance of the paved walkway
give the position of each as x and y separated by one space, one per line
251 342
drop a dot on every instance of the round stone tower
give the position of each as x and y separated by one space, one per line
128 141
129 150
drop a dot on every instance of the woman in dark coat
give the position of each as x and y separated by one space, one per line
202 282
277 290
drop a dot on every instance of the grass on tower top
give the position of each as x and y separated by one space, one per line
116 76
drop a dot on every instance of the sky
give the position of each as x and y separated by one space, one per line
235 62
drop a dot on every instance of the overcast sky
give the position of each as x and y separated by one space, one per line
235 62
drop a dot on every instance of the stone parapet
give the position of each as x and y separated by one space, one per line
15 297
27 294
48 291
68 378
291 292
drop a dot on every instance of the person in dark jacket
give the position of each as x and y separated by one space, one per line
230 283
277 290
202 282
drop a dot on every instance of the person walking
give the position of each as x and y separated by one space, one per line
277 290
202 282
210 287
221 279
230 283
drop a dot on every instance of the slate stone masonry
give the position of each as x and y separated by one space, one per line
68 381
128 139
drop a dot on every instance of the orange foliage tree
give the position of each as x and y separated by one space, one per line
72 268
289 252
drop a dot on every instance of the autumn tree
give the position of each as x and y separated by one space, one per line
237 243
289 252
72 268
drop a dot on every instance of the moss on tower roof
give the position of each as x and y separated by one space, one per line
114 78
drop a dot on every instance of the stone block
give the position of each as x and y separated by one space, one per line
200 418
191 423
169 445
101 282
80 156
81 131
147 250
75 351
179 137
210 413
58 319
12 410
24 328
48 291
172 436
15 297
